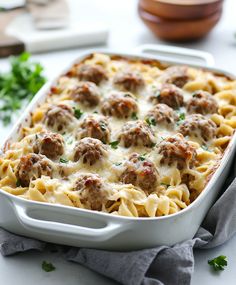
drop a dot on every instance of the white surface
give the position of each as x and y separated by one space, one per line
127 31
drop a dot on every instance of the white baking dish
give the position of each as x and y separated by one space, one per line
85 228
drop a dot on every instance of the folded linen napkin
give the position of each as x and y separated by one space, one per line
162 265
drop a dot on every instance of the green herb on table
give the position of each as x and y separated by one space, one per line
78 113
114 144
64 160
48 266
218 263
19 85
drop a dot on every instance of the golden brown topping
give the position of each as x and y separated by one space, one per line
90 150
176 150
161 114
140 172
129 81
120 105
31 167
49 144
202 102
137 133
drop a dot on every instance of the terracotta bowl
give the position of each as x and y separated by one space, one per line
181 9
177 30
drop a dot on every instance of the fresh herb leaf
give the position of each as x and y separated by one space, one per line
78 113
118 163
142 157
127 95
158 94
48 266
134 116
181 116
151 121
64 160
218 263
114 144
19 85
18 183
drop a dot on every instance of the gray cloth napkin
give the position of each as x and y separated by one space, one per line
157 266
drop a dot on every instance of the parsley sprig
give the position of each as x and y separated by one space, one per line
218 263
19 85
48 266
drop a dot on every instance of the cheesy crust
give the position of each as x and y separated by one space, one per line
128 137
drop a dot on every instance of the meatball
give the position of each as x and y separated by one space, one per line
90 150
137 133
31 167
199 126
140 172
120 105
129 81
162 114
86 93
95 127
202 102
58 117
169 95
91 191
176 75
49 144
176 149
94 73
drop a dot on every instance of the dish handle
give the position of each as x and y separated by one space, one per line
46 227
179 54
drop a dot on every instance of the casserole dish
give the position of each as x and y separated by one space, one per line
84 228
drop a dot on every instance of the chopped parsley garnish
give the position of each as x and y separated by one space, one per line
48 266
194 94
77 113
218 263
103 126
64 160
19 85
118 163
18 183
158 94
142 157
151 121
181 116
134 116
127 95
114 144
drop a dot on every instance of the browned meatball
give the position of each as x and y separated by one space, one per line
199 126
86 93
129 81
94 73
49 144
140 172
169 95
95 127
31 167
58 117
91 191
202 102
120 105
176 149
90 150
137 133
161 114
176 75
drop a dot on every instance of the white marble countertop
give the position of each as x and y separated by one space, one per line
126 32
